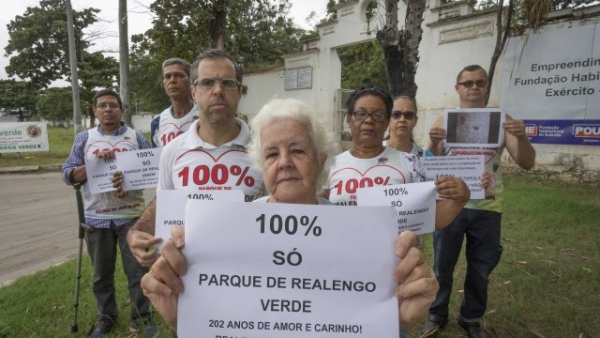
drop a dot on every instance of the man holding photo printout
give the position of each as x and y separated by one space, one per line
340 274
473 130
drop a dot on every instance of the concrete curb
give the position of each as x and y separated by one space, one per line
30 168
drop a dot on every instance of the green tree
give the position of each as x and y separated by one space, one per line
95 71
55 104
38 46
362 64
18 96
255 32
146 83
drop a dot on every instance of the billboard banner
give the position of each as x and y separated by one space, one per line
551 79
20 137
576 132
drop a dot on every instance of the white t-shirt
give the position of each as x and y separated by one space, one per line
170 127
349 173
188 161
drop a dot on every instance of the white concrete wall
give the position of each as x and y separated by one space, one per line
141 123
453 37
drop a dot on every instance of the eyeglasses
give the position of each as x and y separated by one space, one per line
107 105
469 84
209 83
409 115
378 116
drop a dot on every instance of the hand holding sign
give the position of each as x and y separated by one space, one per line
139 168
417 285
269 270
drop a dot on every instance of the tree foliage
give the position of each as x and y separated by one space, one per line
18 96
38 50
362 64
256 33
147 92
38 43
55 104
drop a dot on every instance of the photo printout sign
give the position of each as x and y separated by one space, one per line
474 127
264 270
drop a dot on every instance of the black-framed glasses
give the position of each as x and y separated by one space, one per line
409 115
469 84
107 105
378 116
209 83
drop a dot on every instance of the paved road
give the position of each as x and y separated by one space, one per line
38 223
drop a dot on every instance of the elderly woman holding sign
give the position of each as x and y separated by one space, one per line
291 146
368 115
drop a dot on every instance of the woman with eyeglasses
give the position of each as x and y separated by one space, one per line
368 162
403 121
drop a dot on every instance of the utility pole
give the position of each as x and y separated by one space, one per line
124 61
77 127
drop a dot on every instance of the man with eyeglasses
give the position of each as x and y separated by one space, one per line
480 220
176 119
110 215
210 154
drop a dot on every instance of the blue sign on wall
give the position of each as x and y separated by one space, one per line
574 132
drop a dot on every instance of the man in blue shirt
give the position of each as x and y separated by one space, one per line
110 215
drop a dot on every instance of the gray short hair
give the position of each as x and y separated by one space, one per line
177 61
298 110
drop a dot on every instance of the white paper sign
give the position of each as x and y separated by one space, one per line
262 270
468 168
140 168
99 174
414 204
170 207
474 127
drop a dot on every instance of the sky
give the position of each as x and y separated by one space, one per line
139 20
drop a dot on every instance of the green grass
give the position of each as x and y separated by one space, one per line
546 285
61 141
41 305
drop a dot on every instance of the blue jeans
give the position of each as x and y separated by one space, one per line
102 248
482 230
403 334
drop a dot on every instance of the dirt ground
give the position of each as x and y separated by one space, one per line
38 223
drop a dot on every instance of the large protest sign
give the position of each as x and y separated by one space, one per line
17 137
284 270
551 79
